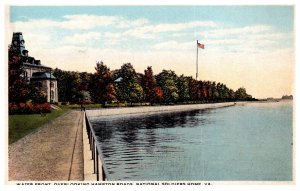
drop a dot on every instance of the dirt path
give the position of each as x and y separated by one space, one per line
54 152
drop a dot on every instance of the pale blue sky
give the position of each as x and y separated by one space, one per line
244 45
280 17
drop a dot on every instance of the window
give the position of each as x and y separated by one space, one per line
52 95
52 85
38 84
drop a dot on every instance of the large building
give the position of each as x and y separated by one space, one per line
35 73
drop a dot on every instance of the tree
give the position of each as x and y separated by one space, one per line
84 81
129 89
110 94
37 95
68 83
153 93
166 80
101 86
192 88
136 92
18 87
158 95
241 94
183 88
215 93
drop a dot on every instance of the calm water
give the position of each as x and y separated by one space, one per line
250 142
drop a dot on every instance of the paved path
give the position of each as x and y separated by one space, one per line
53 153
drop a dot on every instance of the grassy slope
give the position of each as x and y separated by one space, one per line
21 125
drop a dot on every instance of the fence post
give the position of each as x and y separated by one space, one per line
103 173
97 164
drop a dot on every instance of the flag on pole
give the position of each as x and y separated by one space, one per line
200 45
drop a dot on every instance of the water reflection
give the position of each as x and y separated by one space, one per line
129 140
129 126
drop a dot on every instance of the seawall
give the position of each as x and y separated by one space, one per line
154 109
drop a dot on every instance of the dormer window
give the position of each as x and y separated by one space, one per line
25 52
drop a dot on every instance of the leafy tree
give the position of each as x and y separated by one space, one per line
241 94
153 93
68 83
192 83
166 80
215 93
136 93
102 88
61 77
18 87
158 95
110 92
84 81
129 89
37 95
183 88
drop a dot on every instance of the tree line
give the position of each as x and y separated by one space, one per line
126 85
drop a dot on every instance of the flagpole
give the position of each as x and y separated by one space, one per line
197 62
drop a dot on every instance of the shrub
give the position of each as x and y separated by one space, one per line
25 108
29 108
42 108
13 108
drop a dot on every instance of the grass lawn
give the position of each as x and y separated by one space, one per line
77 106
21 125
97 106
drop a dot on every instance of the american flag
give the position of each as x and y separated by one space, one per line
200 45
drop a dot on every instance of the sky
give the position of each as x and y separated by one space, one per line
245 46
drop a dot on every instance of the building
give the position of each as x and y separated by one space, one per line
34 72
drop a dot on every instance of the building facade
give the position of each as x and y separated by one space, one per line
34 72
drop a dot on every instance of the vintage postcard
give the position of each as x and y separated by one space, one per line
150 95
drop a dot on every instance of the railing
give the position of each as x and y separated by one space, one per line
96 151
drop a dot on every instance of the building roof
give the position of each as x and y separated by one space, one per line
36 66
118 80
42 75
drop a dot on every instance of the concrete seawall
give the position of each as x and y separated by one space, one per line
154 109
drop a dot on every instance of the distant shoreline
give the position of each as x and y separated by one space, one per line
146 110
155 109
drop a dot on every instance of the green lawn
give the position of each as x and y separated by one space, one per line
97 106
21 125
77 106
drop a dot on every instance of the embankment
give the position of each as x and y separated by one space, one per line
154 109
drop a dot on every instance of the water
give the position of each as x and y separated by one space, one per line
251 142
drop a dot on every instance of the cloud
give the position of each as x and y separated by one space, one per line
256 38
82 21
87 21
148 31
218 33
82 38
174 45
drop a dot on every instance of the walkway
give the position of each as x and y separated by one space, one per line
53 153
